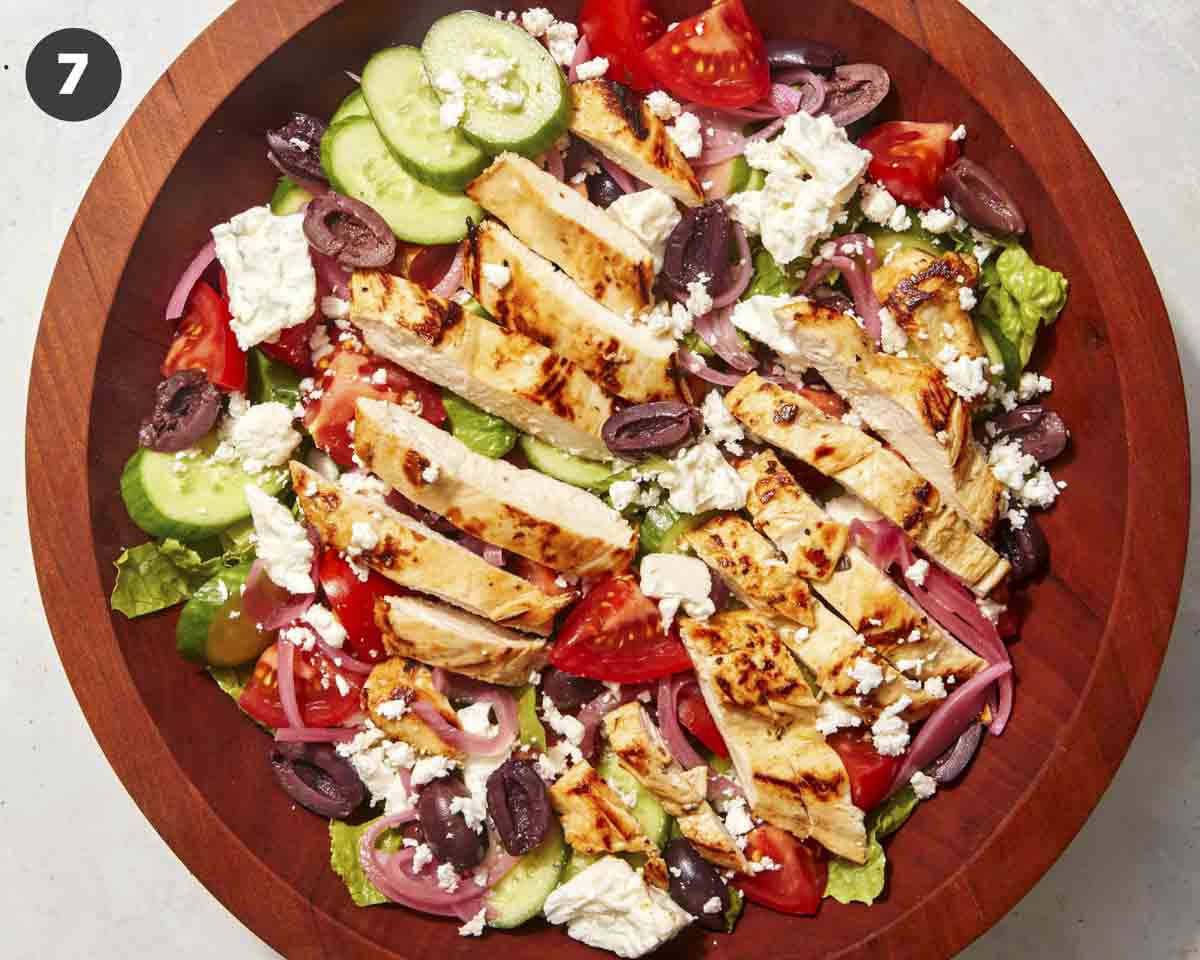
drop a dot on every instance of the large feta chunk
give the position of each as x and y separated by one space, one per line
650 215
677 581
282 544
700 479
263 436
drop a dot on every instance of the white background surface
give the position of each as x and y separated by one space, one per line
83 875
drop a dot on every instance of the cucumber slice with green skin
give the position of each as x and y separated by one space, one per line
544 111
647 810
359 164
406 111
272 381
189 499
530 730
888 240
548 459
355 105
522 892
289 197
577 863
211 629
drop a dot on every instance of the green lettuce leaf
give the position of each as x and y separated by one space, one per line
1018 296
770 279
863 883
481 431
343 855
159 574
232 680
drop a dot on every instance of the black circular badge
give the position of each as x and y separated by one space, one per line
73 74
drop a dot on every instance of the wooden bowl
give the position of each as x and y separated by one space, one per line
193 154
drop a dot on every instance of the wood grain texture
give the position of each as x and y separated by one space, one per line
1095 637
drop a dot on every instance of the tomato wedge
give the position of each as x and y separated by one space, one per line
322 702
910 159
696 720
615 633
620 31
205 341
541 576
291 347
871 774
717 59
798 886
351 375
353 602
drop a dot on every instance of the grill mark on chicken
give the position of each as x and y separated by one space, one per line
628 104
414 466
435 317
908 295
785 413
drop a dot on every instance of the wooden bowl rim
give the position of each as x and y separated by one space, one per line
1132 648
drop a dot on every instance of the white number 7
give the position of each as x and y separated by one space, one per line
78 62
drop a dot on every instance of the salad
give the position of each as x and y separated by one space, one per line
606 469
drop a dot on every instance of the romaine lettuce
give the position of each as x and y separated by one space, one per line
159 574
343 855
863 883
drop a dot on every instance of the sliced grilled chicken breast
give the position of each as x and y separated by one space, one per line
411 554
403 681
906 401
707 833
461 642
527 512
621 125
500 370
611 264
871 472
594 818
921 291
626 358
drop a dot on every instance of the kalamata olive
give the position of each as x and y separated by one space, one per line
695 883
603 190
648 427
186 406
950 765
699 245
345 228
318 779
792 54
855 90
296 146
452 840
982 200
519 805
1039 432
1026 550
568 692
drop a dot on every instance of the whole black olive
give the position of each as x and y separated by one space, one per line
811 54
603 190
296 146
981 199
349 230
452 840
698 247
855 90
1026 550
1039 432
695 884
318 779
650 427
568 692
186 406
519 806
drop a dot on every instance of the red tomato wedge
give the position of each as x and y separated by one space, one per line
322 704
615 633
205 341
871 774
291 347
798 887
350 376
696 720
541 576
717 59
910 158
620 31
353 602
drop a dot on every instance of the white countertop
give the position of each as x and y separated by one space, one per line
82 874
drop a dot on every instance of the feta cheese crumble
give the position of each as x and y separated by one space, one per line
677 581
260 436
685 131
428 769
592 69
924 786
537 21
889 733
662 105
474 926
967 299
868 673
650 215
700 479
497 274
561 39
282 544
965 376
832 717
917 572
321 618
720 426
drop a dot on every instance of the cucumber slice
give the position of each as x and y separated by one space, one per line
405 110
663 527
577 863
359 164
272 381
519 896
211 629
647 810
589 474
289 197
189 499
888 240
530 730
543 113
355 105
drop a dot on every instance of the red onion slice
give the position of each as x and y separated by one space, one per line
784 99
583 53
315 187
866 303
555 166
391 874
490 552
696 366
452 282
669 689
286 675
261 600
622 177
950 765
813 88
505 709
332 277
743 270
183 289
343 660
722 789
717 330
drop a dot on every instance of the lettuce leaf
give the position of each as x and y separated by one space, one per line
343 856
770 279
1017 297
481 431
160 574
863 883
232 680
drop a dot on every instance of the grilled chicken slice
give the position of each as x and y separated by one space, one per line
872 473
906 401
611 264
594 819
621 125
411 554
752 569
461 642
533 515
710 838
627 359
403 680
762 705
921 291
502 371
792 520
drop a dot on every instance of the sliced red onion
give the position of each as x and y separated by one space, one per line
583 53
696 366
183 289
315 187
505 709
768 131
286 675
261 603
722 789
343 660
951 719
866 303
490 552
315 734
813 89
719 594
452 282
717 330
332 277
950 765
623 178
591 713
743 271
784 99
553 159
677 742
858 245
